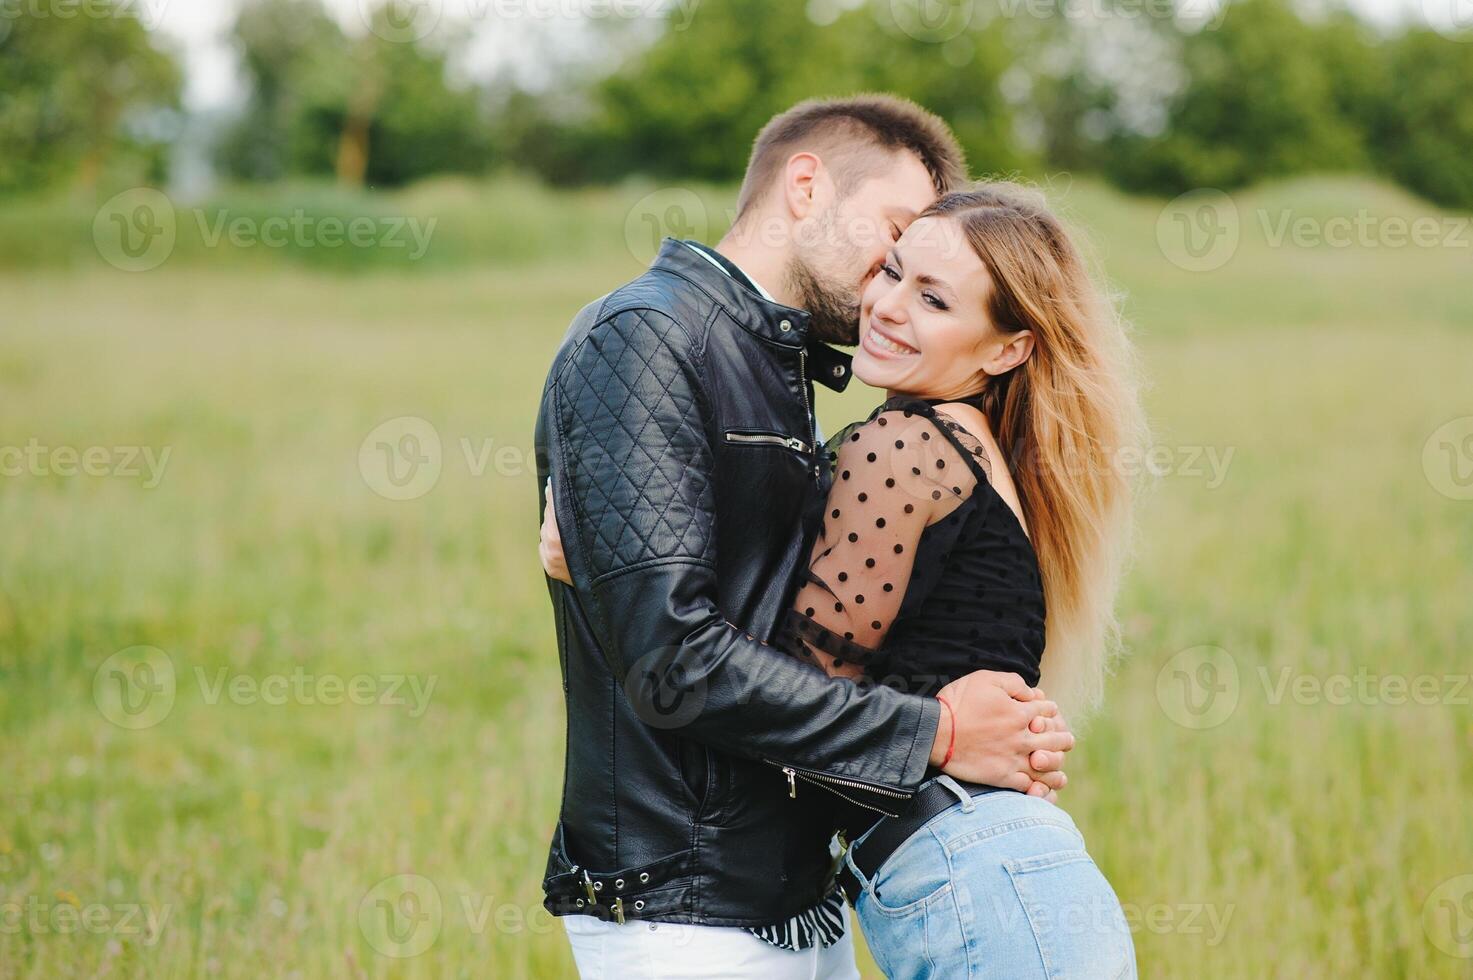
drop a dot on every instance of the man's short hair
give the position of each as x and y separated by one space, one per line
854 136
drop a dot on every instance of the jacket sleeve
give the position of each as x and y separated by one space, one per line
632 468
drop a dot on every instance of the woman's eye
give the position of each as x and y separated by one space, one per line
890 271
934 301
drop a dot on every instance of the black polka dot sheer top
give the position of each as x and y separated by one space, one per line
921 572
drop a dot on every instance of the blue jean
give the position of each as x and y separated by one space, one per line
999 885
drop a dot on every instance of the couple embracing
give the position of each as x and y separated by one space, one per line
803 672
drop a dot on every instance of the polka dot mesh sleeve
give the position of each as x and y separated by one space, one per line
894 475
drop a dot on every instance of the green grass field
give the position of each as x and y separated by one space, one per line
1280 784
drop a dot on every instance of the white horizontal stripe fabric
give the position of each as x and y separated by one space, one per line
821 925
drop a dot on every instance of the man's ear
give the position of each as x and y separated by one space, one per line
1014 351
802 178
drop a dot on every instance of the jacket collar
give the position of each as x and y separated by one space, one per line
783 325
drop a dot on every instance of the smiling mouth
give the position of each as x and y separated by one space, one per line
880 342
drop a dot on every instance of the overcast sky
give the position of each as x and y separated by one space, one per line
509 33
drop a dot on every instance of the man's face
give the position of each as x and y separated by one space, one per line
838 250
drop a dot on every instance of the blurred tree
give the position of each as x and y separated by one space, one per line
691 104
278 42
955 69
1355 60
1424 135
384 112
1079 79
361 109
85 99
1258 102
562 145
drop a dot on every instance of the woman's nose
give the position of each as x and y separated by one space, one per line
890 307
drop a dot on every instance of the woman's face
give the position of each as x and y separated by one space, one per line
924 329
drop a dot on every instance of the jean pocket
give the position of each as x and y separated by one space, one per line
915 876
1075 917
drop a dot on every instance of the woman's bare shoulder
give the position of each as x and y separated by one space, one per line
969 417
975 423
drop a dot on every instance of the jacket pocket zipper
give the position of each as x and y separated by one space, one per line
831 782
768 439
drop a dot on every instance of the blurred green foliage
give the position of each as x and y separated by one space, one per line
1260 102
361 108
690 105
1426 135
83 100
1270 94
1152 97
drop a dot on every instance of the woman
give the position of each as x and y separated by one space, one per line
979 496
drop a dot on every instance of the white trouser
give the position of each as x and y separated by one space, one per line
674 951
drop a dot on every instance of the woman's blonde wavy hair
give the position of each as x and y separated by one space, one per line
1063 418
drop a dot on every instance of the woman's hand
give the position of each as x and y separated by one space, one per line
550 544
1007 734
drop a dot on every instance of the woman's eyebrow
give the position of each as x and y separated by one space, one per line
923 278
926 280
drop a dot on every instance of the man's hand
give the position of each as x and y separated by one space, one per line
550 544
1007 734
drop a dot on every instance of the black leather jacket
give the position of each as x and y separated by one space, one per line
676 426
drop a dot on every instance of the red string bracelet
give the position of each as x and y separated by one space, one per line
951 742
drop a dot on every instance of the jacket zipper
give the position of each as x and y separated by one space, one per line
807 408
829 782
797 445
803 387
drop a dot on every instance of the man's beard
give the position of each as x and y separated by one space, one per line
833 311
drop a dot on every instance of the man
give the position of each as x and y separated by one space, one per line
678 438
